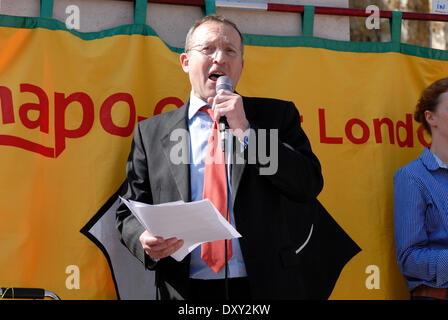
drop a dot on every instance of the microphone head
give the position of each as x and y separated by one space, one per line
224 83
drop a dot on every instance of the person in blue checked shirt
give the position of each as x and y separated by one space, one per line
421 203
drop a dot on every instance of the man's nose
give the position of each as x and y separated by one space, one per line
218 56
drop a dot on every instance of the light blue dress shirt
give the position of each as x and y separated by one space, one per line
421 221
199 125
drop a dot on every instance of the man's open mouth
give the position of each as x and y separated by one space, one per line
215 75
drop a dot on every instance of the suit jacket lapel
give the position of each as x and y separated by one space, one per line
237 171
176 138
238 168
176 147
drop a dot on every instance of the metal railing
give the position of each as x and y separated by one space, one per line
27 293
278 7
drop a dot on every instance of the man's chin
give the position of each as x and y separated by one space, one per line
210 94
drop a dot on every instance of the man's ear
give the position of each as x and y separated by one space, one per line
184 62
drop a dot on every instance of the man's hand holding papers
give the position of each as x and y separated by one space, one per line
176 228
157 247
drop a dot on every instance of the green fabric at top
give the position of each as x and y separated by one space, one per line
395 27
249 39
210 7
308 21
140 11
46 8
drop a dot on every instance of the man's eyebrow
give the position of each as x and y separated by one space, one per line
231 44
212 42
225 42
201 44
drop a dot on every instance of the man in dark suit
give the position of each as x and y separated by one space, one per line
290 247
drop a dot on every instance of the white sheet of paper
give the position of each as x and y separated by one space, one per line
194 222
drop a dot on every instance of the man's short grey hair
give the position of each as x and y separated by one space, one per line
211 18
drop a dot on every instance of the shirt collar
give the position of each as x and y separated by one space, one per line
195 105
440 162
431 161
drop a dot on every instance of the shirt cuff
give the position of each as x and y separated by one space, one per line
245 140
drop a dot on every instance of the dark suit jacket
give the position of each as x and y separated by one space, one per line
276 214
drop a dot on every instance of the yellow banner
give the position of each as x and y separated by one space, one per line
69 107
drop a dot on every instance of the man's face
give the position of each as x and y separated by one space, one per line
215 50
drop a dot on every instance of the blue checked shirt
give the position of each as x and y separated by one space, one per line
421 221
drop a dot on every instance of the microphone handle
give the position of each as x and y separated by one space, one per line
223 124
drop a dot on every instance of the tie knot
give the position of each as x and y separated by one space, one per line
208 110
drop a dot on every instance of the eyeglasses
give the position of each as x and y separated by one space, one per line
210 50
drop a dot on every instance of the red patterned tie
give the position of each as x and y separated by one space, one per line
215 187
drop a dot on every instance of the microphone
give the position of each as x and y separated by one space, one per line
223 84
